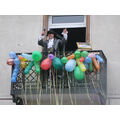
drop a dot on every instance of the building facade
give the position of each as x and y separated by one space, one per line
20 34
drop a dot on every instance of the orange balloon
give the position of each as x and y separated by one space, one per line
71 57
22 58
96 64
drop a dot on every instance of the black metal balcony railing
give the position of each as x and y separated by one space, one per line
49 87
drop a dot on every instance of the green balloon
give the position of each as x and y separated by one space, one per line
29 67
64 60
57 64
77 54
91 67
84 54
36 56
37 67
78 74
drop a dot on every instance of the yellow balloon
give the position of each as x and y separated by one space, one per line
81 65
23 64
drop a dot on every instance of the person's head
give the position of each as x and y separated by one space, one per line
50 34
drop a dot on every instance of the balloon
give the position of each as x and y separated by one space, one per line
16 61
10 61
13 80
86 65
96 64
99 59
15 73
37 67
81 65
12 55
16 70
57 64
46 64
91 55
64 60
78 74
23 64
70 65
29 67
36 56
51 56
77 54
71 57
82 59
22 58
88 60
91 67
27 56
84 54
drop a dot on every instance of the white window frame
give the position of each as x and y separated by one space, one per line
65 25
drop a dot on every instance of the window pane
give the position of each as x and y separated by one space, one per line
68 19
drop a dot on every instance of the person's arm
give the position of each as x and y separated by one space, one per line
65 34
40 40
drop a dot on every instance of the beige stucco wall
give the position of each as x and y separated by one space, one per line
105 35
19 34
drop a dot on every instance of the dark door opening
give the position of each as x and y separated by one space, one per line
74 35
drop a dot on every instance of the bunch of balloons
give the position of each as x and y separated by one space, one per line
14 60
78 62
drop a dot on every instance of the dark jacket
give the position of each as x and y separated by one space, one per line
57 46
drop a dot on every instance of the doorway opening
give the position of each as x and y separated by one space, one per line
74 35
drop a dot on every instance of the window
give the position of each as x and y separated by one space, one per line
67 21
78 27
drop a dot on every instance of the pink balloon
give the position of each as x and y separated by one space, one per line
46 64
91 55
10 61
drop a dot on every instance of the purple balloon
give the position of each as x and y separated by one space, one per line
51 56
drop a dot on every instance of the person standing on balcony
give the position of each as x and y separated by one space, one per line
52 44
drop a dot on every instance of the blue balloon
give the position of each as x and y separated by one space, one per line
99 59
27 56
14 76
12 55
86 65
13 80
88 60
70 65
16 70
16 61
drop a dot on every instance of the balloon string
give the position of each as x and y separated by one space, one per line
55 88
102 91
69 89
50 86
96 91
25 94
62 84
60 91
87 91
40 84
24 97
31 92
37 89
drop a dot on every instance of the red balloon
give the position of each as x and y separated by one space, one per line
10 61
82 59
46 64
